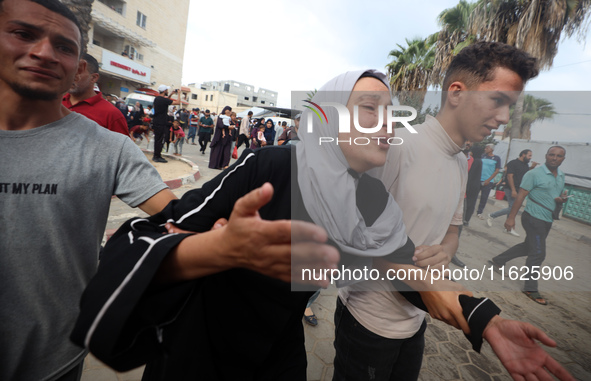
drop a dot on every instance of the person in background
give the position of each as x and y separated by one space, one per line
244 133
219 156
136 116
160 120
279 129
491 165
83 99
473 184
138 132
516 169
193 125
544 189
270 132
177 137
205 131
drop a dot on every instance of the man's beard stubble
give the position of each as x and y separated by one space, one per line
34 95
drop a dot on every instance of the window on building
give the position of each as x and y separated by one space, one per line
207 96
246 98
248 88
141 20
116 5
140 57
272 104
226 87
262 102
263 91
211 97
236 84
254 99
194 96
273 95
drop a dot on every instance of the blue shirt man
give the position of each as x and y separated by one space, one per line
545 185
491 165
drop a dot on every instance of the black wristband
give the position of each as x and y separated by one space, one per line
478 312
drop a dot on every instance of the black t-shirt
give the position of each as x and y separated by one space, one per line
161 109
518 168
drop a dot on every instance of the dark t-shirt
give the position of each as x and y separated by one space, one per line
161 110
207 122
518 168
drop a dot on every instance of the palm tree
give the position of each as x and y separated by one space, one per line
453 37
410 70
534 110
82 10
535 26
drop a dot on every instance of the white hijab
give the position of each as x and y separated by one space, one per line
328 190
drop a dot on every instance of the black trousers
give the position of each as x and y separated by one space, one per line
470 205
363 355
243 139
534 247
204 138
160 133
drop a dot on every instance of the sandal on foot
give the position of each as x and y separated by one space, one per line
311 319
536 297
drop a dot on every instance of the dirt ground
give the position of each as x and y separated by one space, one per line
171 170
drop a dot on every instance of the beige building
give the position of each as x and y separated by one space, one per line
245 93
138 43
212 100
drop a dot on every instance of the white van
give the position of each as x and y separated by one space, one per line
144 97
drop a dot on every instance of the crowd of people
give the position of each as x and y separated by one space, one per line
184 290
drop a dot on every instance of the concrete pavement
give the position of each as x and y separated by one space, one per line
447 354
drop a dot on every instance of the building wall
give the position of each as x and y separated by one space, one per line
159 46
246 94
212 100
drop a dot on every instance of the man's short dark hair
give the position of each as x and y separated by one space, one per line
58 7
561 147
250 113
476 63
524 152
92 64
284 123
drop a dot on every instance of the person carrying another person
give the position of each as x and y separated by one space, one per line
186 302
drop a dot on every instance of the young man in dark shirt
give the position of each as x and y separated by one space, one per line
516 169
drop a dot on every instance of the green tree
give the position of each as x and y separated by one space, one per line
410 70
536 26
453 37
534 110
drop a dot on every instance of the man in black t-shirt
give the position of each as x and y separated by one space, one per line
160 121
516 169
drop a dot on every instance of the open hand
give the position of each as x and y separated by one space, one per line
514 342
